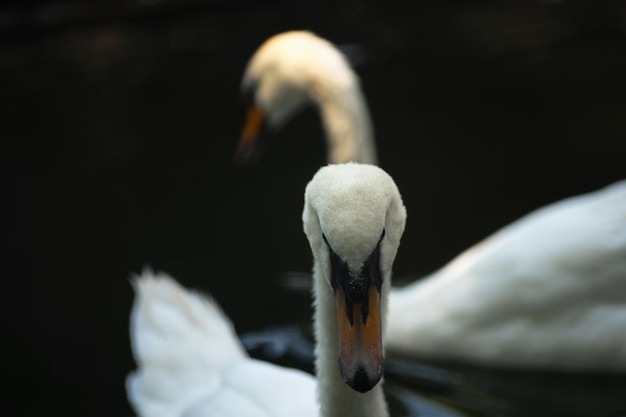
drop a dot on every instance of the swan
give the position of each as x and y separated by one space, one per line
191 363
545 292
289 71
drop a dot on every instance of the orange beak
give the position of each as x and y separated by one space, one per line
360 340
250 134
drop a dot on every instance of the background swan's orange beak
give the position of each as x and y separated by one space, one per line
360 341
250 134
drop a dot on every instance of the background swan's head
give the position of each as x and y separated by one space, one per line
354 218
283 76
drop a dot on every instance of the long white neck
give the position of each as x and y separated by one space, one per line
335 397
346 120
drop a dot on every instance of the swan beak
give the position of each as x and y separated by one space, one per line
360 340
250 135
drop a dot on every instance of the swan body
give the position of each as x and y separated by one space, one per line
546 292
191 363
289 71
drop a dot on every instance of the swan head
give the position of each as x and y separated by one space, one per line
354 218
280 79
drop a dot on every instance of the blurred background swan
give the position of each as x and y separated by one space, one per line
546 292
190 361
296 68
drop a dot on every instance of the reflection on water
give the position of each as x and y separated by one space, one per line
118 136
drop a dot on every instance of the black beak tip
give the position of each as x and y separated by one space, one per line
361 381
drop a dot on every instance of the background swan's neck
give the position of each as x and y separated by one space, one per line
347 123
336 398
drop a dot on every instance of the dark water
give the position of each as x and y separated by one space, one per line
119 122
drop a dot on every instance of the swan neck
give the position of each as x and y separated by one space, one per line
347 123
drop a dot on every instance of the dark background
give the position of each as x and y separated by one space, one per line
119 122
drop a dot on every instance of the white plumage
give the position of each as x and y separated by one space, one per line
191 363
546 292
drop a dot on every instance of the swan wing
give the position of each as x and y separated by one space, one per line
259 389
191 362
181 342
548 290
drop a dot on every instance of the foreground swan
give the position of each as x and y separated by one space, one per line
547 292
191 363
